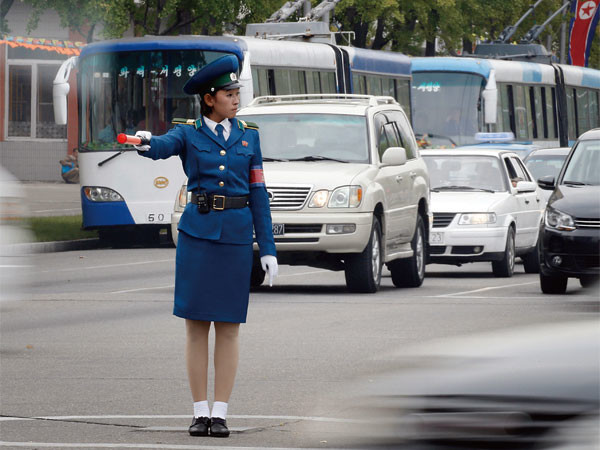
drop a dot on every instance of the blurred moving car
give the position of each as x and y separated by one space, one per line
14 261
570 232
546 161
486 207
536 387
348 189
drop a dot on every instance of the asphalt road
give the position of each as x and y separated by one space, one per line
91 357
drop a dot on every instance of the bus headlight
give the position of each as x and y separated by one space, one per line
346 197
477 219
101 194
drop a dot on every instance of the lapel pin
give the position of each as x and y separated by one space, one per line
244 143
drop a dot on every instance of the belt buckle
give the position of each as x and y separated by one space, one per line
214 202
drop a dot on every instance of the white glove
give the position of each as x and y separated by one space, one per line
145 135
269 265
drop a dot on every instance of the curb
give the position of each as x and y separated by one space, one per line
51 247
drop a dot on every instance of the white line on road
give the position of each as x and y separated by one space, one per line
161 446
487 289
142 289
55 210
108 266
232 416
302 273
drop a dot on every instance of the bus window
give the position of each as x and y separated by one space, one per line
388 87
328 82
530 117
282 82
504 111
403 96
313 84
522 131
571 113
582 103
594 110
538 112
359 84
260 81
551 113
373 85
297 82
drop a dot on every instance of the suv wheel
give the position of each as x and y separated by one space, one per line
506 266
553 284
363 270
410 272
531 261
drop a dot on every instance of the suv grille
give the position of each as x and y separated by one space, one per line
441 220
288 197
587 223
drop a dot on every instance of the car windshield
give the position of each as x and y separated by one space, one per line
465 172
446 107
312 137
542 165
584 166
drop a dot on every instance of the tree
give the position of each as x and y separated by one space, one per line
4 8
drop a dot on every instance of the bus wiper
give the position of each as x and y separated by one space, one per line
460 188
268 159
575 183
111 157
317 158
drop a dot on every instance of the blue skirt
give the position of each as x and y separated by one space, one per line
212 280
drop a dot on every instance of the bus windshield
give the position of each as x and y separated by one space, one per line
123 92
446 108
312 137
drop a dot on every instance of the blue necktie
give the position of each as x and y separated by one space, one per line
220 129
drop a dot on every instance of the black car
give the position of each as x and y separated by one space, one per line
570 232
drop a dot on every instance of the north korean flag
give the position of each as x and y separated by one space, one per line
583 25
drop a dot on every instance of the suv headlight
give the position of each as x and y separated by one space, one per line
319 199
557 220
346 197
477 219
101 194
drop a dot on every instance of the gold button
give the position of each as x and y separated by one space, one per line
223 152
221 167
221 184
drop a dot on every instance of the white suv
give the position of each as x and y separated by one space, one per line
347 186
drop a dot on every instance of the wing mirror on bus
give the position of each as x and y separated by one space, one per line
60 90
394 156
546 182
490 99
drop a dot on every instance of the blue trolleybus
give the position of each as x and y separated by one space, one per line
134 84
542 105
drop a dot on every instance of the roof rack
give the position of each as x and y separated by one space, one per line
370 100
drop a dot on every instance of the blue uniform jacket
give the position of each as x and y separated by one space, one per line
221 167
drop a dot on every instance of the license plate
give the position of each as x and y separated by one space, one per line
278 229
436 237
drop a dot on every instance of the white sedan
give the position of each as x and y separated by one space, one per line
486 207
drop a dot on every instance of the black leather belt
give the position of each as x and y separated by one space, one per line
206 202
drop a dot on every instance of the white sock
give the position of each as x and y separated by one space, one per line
219 410
201 409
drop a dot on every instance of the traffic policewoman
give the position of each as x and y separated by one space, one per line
222 159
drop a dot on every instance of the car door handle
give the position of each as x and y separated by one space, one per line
527 202
398 178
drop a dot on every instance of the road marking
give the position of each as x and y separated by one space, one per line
142 289
161 446
310 418
303 273
108 266
56 210
487 289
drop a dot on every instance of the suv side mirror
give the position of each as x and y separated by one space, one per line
394 156
546 182
526 186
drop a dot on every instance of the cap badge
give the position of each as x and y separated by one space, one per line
233 76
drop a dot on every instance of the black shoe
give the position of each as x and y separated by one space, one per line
199 426
218 427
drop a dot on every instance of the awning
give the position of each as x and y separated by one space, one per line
51 45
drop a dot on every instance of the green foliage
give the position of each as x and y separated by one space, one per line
59 228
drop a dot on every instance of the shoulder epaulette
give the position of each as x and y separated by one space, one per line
248 125
178 121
